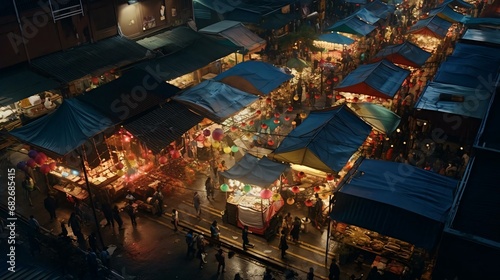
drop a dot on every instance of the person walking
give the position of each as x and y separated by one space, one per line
28 187
268 275
92 239
310 274
209 187
197 204
334 273
107 211
221 260
283 245
190 241
244 236
50 205
295 232
131 213
201 253
215 233
34 225
175 219
158 198
117 217
75 225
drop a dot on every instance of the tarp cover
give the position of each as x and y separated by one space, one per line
65 129
19 83
380 9
474 100
235 32
352 25
160 127
264 76
432 26
325 140
382 79
395 199
366 16
132 94
214 100
406 54
447 13
252 170
482 21
335 38
491 36
467 71
380 118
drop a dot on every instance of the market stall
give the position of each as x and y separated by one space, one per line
255 199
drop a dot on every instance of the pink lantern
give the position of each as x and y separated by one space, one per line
95 80
45 169
218 134
264 126
301 174
31 163
317 96
287 118
308 203
295 189
200 138
335 79
266 194
39 159
251 122
277 115
329 177
330 95
290 108
53 166
276 121
317 188
163 159
43 156
206 132
176 154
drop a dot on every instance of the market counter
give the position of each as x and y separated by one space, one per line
75 191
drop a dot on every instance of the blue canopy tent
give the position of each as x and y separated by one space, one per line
215 100
366 16
263 76
252 170
454 99
486 36
360 2
395 199
382 79
432 26
460 3
405 54
335 38
466 71
476 51
380 9
380 118
65 129
325 140
447 13
478 22
352 25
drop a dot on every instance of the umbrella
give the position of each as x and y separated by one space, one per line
297 63
336 38
380 118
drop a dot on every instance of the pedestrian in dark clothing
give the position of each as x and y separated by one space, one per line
131 213
200 244
296 229
310 274
190 241
268 275
93 242
374 274
117 217
35 226
197 204
175 219
50 205
158 198
64 230
244 236
209 187
283 244
215 232
334 271
74 223
221 260
237 277
105 257
107 211
92 263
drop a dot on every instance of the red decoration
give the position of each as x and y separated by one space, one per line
258 112
95 80
284 181
301 174
251 122
266 194
328 82
308 203
295 189
317 188
234 128
39 159
206 132
290 108
53 166
218 134
243 124
335 79
276 121
45 169
287 118
338 97
317 96
330 95
131 157
355 99
119 166
329 177
200 138
163 159
264 126
176 154
270 143
269 100
277 115
31 163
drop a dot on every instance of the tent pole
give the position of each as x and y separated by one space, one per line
328 230
90 196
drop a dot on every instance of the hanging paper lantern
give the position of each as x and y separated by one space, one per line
40 159
200 138
308 203
294 123
295 189
132 156
276 197
43 156
247 188
258 112
290 201
31 163
227 150
338 96
234 149
176 154
308 95
21 165
330 95
163 159
95 80
216 144
270 142
251 122
207 143
287 118
206 132
264 126
328 82
301 174
329 177
266 194
284 181
269 100
290 108
317 96
224 187
276 121
119 166
218 134
120 173
32 154
303 115
45 168
243 124
317 188
53 166
234 128
335 79
277 115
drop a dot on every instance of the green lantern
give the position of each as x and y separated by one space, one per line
234 149
224 187
247 188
